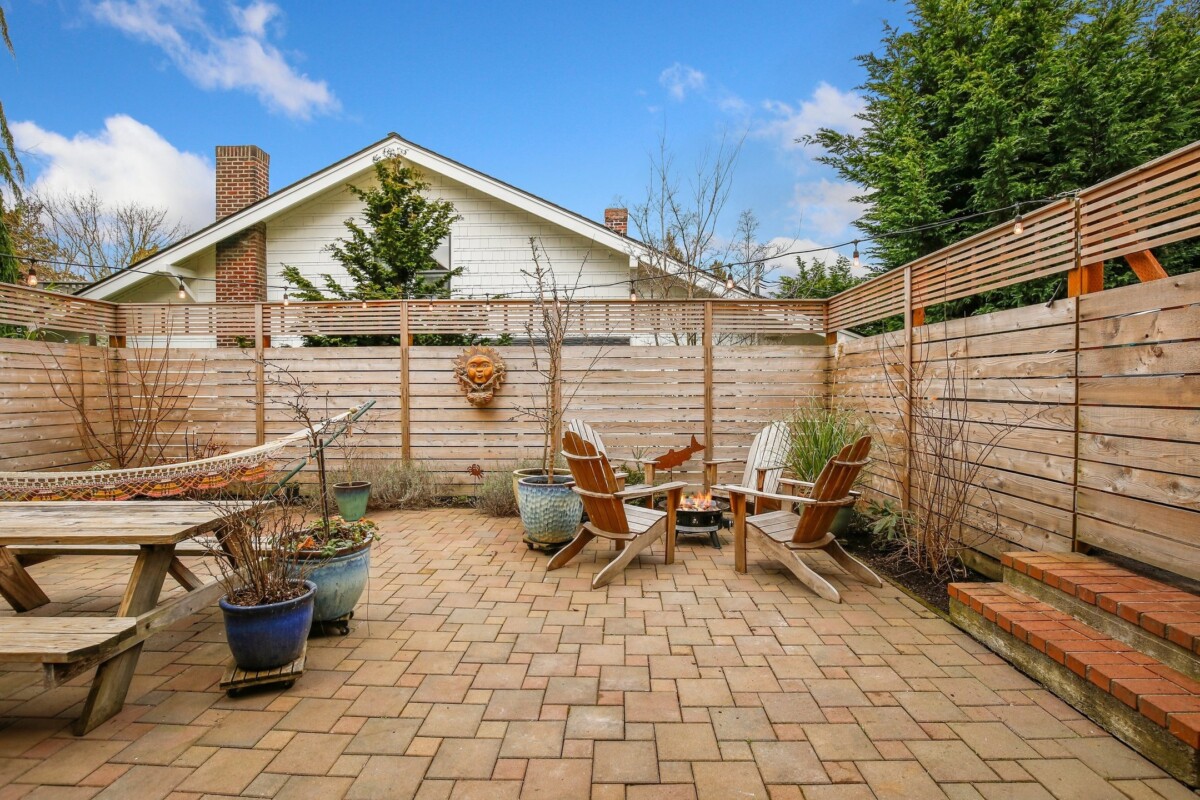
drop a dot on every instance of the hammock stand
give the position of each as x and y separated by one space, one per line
167 480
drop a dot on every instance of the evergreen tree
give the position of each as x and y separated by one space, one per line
817 280
11 175
985 103
390 256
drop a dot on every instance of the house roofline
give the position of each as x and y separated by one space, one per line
263 210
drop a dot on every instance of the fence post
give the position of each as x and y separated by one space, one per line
708 387
260 389
1083 284
906 484
405 390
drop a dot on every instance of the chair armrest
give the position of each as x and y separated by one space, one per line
653 461
855 493
785 498
794 482
769 467
643 491
710 461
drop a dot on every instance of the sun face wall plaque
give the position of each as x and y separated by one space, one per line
480 371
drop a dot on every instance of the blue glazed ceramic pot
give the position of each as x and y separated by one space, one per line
266 637
340 581
550 512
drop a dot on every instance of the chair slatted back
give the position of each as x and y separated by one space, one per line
585 432
834 483
769 449
592 473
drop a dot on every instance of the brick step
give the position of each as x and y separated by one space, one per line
1152 707
1152 617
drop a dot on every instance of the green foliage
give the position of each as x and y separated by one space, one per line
396 484
11 172
817 435
817 280
984 103
390 256
888 523
494 495
342 536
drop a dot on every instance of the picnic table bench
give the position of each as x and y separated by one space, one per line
67 646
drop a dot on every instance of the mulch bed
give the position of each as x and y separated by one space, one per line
884 560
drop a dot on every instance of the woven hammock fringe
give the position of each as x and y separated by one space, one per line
167 480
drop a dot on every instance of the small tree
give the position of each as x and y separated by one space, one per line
390 256
554 315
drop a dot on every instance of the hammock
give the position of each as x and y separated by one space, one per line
167 480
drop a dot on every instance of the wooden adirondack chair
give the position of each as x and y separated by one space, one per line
784 534
589 435
632 528
764 465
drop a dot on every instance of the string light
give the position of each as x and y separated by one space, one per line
31 278
364 305
633 295
182 290
1018 227
729 284
857 262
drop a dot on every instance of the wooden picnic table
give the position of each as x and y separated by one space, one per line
67 646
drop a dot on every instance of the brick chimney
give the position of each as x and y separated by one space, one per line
243 178
617 219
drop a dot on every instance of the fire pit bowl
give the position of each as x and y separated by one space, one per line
698 515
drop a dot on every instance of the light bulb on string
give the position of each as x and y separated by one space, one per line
855 260
633 295
364 305
31 278
286 300
729 284
1018 224
182 290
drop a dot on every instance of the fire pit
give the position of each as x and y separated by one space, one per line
699 514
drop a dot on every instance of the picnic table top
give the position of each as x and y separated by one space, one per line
135 522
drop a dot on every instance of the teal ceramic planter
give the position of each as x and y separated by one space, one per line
351 499
340 582
550 512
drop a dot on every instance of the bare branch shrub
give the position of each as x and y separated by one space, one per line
555 317
256 548
140 398
951 509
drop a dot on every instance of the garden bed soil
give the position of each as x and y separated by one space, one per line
883 560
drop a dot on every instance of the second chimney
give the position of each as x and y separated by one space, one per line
617 219
243 178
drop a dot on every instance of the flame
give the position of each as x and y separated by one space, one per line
698 502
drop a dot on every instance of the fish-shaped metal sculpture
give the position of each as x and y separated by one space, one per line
676 458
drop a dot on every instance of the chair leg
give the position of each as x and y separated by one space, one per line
852 564
572 549
618 564
791 559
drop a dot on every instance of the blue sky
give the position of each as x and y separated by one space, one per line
564 100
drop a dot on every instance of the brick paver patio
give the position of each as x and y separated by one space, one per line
472 672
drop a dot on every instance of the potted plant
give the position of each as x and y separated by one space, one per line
268 605
351 495
550 510
337 560
817 434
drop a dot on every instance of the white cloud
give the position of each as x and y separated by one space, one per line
828 107
827 208
679 79
126 162
214 60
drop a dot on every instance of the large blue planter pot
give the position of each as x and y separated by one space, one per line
550 512
340 582
266 637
